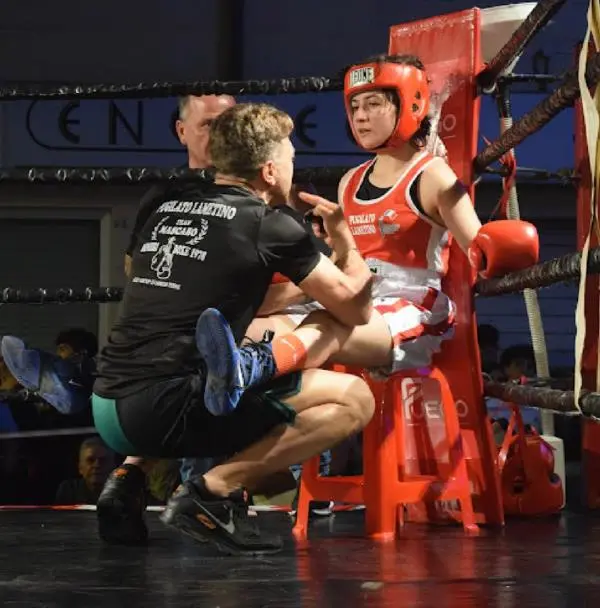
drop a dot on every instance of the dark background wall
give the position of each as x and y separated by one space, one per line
136 40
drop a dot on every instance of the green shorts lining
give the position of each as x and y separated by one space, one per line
106 421
277 391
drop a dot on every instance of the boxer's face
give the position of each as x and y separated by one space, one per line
193 127
373 118
278 172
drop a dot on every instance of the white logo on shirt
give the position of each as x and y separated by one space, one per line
165 251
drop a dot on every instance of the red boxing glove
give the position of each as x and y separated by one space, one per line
504 246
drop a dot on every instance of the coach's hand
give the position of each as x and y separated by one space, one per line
337 231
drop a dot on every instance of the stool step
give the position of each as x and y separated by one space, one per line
426 488
339 489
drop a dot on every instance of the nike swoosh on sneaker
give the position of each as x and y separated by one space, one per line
229 527
75 384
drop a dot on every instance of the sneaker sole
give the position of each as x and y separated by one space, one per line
219 351
18 358
187 526
25 364
115 525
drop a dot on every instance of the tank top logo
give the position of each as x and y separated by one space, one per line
389 222
363 223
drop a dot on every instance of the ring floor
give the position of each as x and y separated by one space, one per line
54 559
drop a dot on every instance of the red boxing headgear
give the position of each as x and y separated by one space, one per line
407 81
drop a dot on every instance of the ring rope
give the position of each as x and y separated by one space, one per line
530 297
533 24
541 115
61 295
154 90
541 275
146 175
591 114
556 400
319 176
556 270
84 430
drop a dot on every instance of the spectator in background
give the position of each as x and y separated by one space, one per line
96 461
518 361
488 338
76 342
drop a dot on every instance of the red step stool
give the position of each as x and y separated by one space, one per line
387 485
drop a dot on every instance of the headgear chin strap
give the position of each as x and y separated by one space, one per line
407 81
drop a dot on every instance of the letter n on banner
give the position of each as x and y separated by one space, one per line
450 48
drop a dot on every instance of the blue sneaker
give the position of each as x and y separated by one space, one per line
57 381
230 370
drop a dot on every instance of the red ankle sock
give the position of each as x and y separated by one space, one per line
289 354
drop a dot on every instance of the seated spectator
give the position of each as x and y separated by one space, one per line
75 343
516 362
96 461
488 338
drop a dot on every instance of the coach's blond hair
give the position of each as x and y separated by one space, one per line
244 138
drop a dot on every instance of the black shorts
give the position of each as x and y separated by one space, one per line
168 419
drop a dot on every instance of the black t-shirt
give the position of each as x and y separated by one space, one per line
205 246
148 204
154 197
319 243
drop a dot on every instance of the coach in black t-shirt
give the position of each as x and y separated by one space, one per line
196 114
218 245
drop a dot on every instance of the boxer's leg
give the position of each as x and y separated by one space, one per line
277 324
231 370
400 335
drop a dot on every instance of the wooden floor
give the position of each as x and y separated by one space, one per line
54 559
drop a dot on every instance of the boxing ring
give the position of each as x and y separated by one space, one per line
485 46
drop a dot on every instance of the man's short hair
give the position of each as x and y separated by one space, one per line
93 442
182 104
243 138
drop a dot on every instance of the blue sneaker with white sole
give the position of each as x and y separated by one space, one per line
230 370
59 382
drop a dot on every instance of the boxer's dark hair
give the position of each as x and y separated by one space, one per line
419 139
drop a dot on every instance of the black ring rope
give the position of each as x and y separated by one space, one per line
540 116
533 24
562 401
319 176
553 271
142 90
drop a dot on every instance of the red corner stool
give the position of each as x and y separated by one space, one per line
412 458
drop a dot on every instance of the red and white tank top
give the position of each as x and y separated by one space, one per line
393 235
